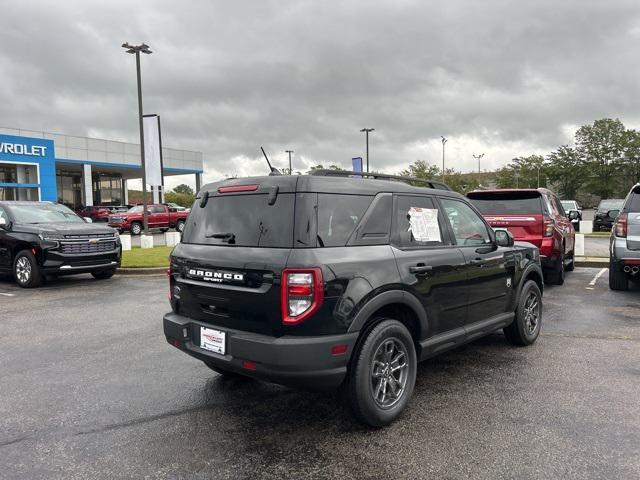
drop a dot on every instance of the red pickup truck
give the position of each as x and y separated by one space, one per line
158 216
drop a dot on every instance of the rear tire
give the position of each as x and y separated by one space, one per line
103 274
572 265
136 228
26 271
180 226
382 374
525 328
555 276
617 279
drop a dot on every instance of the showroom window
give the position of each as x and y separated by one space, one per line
107 189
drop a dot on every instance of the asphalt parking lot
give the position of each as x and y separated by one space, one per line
90 389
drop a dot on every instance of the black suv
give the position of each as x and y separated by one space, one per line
318 281
43 238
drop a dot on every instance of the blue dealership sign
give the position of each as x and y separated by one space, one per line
32 151
357 164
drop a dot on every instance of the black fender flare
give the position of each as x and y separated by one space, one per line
388 298
532 267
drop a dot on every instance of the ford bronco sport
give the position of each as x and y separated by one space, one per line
324 280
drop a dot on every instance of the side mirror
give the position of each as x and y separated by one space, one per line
613 213
504 238
573 215
88 219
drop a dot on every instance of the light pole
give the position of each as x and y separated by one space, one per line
136 49
478 157
444 140
366 131
289 152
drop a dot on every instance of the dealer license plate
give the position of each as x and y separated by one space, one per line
212 340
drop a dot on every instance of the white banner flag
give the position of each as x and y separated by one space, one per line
152 149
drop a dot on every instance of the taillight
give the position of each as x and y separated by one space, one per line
548 226
301 294
621 225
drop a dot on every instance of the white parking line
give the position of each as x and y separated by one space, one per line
592 283
8 294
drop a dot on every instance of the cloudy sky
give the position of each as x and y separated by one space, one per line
504 78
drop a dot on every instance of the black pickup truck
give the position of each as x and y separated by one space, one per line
43 238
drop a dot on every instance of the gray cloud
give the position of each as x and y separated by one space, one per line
500 77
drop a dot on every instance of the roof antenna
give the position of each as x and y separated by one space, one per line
273 171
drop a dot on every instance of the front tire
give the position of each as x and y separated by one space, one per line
26 271
617 279
525 328
382 374
571 266
103 274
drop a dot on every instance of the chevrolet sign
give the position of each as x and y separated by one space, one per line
23 149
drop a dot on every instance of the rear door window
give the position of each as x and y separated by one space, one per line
418 223
508 203
242 221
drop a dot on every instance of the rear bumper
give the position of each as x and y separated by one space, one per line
602 223
303 362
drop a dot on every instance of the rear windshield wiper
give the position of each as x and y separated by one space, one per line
229 237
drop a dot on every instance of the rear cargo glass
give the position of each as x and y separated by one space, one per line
242 221
512 203
634 201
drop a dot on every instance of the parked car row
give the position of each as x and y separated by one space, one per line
160 216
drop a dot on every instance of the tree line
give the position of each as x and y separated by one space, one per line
604 162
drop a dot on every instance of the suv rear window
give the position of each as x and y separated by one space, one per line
505 203
242 221
634 201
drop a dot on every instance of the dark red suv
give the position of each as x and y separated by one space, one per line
535 216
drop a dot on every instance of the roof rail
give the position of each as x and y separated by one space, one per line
381 176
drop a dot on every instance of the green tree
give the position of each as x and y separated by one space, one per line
566 171
182 188
461 182
523 172
421 169
630 167
601 146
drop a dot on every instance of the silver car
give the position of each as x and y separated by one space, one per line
624 260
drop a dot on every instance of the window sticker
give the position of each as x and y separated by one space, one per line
423 224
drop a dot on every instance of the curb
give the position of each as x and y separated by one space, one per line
143 271
602 262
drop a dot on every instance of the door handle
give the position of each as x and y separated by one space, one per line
478 262
420 268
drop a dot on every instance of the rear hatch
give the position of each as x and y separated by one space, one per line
520 212
233 251
633 220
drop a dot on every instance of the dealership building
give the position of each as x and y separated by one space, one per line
78 171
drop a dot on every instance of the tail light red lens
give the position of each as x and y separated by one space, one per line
621 225
301 294
238 188
548 226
